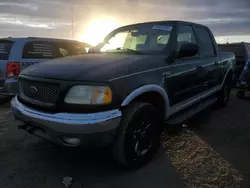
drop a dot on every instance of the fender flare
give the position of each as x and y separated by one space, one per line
230 69
148 88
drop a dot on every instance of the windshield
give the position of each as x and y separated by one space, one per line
153 38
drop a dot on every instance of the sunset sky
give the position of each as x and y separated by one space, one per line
228 19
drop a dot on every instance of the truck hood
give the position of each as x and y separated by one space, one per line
92 67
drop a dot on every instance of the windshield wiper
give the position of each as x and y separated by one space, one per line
128 49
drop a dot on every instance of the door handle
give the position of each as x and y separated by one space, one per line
165 74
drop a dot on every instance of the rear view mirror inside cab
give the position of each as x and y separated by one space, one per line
135 33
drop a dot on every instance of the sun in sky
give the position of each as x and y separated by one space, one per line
98 28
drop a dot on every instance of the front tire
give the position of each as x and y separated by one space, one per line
138 136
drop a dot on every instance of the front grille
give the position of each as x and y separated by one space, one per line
39 91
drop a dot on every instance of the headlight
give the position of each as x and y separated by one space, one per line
89 95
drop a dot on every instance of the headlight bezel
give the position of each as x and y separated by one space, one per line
93 86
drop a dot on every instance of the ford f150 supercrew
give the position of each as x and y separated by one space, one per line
141 77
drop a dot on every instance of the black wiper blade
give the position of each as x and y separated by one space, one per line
128 49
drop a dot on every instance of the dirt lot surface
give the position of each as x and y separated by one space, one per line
214 151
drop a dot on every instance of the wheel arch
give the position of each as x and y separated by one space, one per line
230 72
152 94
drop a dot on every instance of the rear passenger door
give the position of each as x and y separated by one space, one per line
38 51
210 63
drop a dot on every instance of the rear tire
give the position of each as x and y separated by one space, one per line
224 95
138 136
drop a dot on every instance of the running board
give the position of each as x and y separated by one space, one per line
180 117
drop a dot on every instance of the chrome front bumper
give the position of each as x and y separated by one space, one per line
67 124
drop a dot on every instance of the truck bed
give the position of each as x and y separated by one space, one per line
228 56
241 54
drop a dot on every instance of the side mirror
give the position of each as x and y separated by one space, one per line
188 50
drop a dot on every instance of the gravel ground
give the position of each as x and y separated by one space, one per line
212 152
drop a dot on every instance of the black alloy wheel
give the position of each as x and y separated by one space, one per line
138 137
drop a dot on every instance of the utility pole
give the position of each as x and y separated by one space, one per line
72 19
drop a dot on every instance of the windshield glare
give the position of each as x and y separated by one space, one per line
153 38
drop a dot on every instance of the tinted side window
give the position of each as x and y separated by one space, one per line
5 47
40 50
205 42
185 35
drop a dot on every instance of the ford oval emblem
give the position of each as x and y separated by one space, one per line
33 89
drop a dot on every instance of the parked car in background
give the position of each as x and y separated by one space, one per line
242 54
139 77
19 53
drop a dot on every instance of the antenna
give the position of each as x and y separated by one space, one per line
227 40
72 20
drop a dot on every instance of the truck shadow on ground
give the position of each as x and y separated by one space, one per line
31 162
217 138
96 168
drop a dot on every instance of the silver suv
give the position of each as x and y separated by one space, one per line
18 53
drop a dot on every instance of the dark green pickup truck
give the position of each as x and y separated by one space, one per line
122 92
